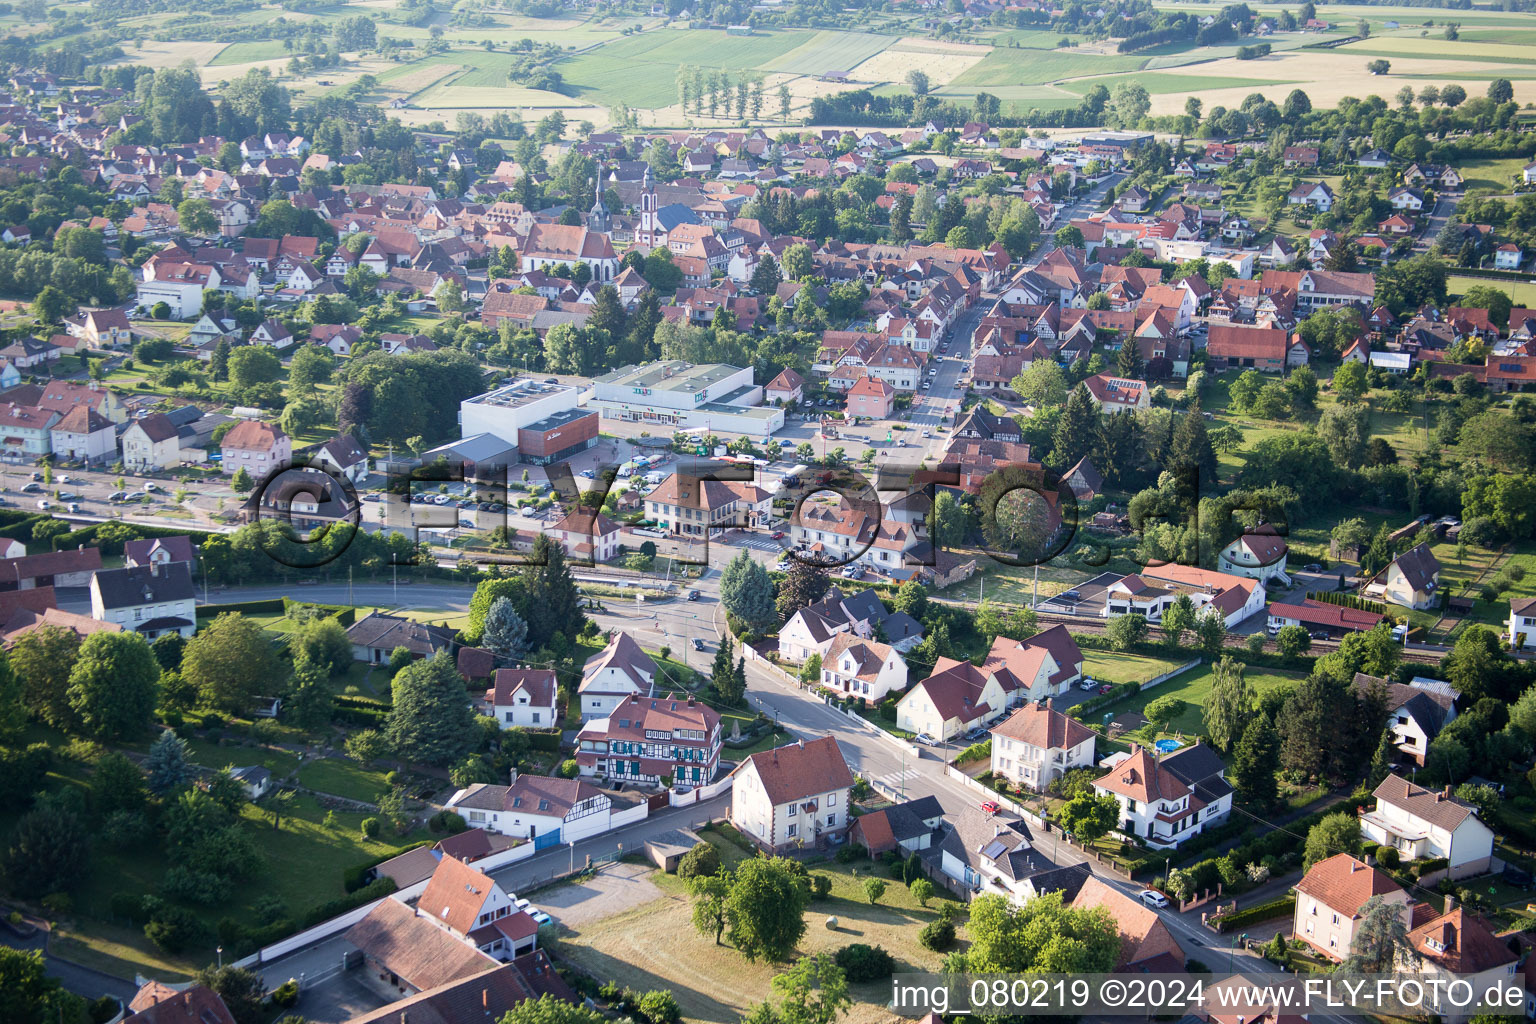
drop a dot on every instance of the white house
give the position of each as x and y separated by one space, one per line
84 435
1316 194
1037 744
1259 555
343 456
151 443
812 629
793 796
1329 899
1415 714
1522 622
1411 581
994 855
1426 824
524 697
148 599
536 805
1507 257
959 696
256 447
1166 801
586 536
863 668
619 670
1153 591
467 903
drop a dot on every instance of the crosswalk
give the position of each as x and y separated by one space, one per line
894 782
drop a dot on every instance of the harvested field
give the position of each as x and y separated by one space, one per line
892 65
158 54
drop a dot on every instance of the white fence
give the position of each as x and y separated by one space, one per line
1171 673
699 793
630 815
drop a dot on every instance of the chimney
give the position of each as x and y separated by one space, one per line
800 743
1048 702
1450 904
513 773
1446 792
1354 865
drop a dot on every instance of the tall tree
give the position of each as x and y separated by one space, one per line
1076 430
803 585
1178 620
813 991
43 659
1336 833
506 634
1128 362
231 661
167 764
1041 935
112 685
1230 705
746 593
948 523
48 851
1380 943
765 911
1256 762
486 594
431 721
554 606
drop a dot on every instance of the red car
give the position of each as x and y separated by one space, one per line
1105 688
991 806
778 535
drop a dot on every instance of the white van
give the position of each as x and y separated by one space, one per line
655 477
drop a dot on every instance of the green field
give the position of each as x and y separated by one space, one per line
244 53
1521 293
642 70
830 51
1193 688
1493 175
1114 667
1001 67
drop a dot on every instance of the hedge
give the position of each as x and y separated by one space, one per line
374 890
21 529
352 877
546 741
1093 704
264 606
1347 600
1285 906
344 614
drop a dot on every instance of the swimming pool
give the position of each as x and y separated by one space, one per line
1168 746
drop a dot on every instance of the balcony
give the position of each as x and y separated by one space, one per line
1410 842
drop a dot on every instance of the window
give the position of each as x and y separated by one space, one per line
793 828
831 799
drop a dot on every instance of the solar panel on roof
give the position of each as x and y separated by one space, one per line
995 849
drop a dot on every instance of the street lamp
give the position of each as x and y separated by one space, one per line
220 951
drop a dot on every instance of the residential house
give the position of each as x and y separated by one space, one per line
1316 194
867 669
156 1003
619 670
994 854
342 456
1428 824
1153 590
158 551
271 333
1037 744
870 397
467 903
406 951
1456 949
1412 580
151 443
1159 804
1507 256
151 600
536 806
1261 348
685 504
812 629
1258 554
256 447
376 635
1330 898
28 432
72 567
101 328
793 797
586 536
1114 394
525 697
1334 619
787 388
910 826
1415 714
959 697
663 740
491 993
1522 622
83 435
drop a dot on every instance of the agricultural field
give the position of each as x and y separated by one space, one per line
830 51
245 53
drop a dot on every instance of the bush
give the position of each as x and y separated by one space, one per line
1285 906
172 928
285 995
1389 857
128 905
375 890
821 886
659 1007
1427 867
371 828
937 935
447 821
703 859
863 962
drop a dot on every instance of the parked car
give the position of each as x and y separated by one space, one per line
1105 689
991 806
37 476
32 489
1152 898
976 732
1088 683
925 739
1071 595
1312 567
1319 634
541 917
74 506
123 496
44 505
152 489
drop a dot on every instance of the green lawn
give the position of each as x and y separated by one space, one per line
1193 687
1522 293
343 778
1494 175
1115 667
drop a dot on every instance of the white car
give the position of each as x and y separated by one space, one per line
1152 898
925 739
